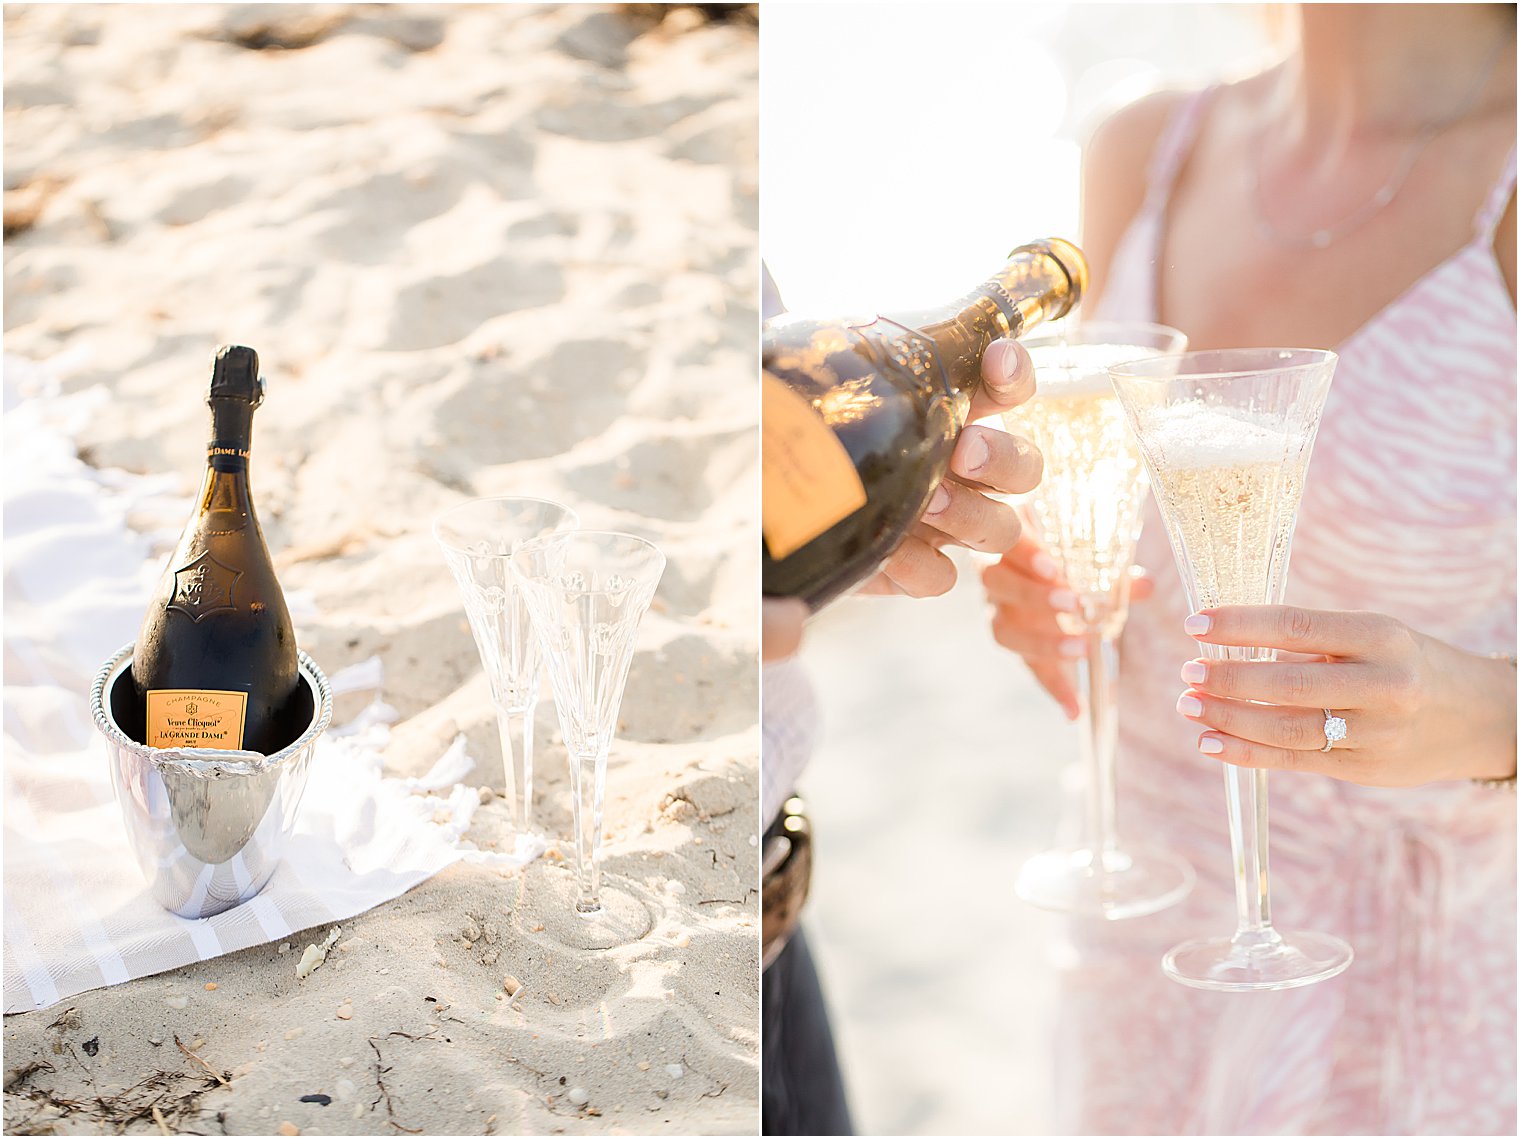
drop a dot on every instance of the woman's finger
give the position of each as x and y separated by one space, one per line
972 519
1337 764
1007 586
1247 753
1326 631
1007 379
1033 635
1044 655
995 460
1305 684
1055 677
1292 729
1029 557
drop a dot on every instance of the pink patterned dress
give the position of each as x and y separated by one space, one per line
1409 510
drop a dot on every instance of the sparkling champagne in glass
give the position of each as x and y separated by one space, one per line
1226 436
1086 511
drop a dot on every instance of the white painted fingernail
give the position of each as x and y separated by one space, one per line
1197 625
1193 672
1210 745
1189 705
938 503
1072 647
1064 600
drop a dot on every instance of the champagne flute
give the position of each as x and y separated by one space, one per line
1087 512
1226 436
587 591
478 538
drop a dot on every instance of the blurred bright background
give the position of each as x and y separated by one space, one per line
906 148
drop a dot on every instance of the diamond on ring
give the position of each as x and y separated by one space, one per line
1335 730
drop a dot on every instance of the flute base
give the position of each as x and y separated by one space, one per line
1123 883
1256 961
624 916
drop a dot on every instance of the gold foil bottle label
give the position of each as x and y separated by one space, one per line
195 717
808 482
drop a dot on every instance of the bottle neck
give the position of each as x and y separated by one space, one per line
226 485
1034 286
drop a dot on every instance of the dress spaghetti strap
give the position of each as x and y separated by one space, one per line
1172 149
1498 200
1130 292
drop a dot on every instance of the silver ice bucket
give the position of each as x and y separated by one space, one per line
208 827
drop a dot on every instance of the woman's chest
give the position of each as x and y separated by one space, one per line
1231 274
1228 289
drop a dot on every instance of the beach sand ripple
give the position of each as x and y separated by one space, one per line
481 250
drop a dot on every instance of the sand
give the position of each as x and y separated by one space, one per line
481 250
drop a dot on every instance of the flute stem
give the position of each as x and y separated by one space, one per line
525 768
517 764
1097 675
588 781
1245 790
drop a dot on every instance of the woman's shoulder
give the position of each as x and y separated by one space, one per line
1126 137
1128 134
1115 161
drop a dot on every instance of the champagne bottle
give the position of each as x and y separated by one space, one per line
860 417
215 662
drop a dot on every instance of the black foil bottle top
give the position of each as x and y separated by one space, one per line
235 375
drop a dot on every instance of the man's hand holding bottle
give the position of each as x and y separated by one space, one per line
985 461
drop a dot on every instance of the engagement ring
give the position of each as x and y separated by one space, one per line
1335 730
